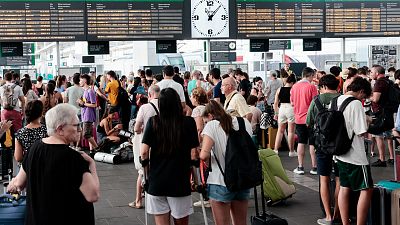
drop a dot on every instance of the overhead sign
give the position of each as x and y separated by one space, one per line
222 45
223 57
368 18
280 44
280 19
32 20
87 59
98 47
29 48
134 19
259 45
312 44
166 46
18 61
9 49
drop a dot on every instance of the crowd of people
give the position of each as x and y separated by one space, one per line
178 119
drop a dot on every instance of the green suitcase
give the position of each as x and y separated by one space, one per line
277 186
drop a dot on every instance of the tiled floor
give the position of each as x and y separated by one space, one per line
118 189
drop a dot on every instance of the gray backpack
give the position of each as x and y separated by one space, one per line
8 101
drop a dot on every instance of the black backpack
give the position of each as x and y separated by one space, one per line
393 97
330 128
123 97
243 169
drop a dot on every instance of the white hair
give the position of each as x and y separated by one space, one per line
131 78
154 90
59 115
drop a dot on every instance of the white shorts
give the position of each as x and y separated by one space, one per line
179 207
286 113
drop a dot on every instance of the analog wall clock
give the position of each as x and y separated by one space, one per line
210 18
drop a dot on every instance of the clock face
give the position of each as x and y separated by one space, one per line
210 18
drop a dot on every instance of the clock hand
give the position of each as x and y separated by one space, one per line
213 13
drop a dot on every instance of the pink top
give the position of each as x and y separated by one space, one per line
301 96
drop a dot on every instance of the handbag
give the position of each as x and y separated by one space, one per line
382 121
136 142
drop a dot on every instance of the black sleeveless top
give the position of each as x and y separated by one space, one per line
284 95
40 90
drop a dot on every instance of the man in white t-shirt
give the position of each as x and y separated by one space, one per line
168 82
354 169
15 113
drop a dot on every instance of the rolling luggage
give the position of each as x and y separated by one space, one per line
395 207
276 185
265 218
380 212
12 207
397 164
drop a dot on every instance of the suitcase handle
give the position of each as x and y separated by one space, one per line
264 212
8 200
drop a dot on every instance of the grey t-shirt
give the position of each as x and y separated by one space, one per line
73 94
272 87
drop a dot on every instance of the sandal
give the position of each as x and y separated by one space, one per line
133 205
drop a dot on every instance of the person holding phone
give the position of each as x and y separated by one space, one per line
105 129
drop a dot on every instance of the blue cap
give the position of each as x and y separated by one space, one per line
140 90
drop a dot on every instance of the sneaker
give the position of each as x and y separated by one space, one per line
198 204
276 151
390 162
314 171
324 222
379 163
293 154
299 170
373 154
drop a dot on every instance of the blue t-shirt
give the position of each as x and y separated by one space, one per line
217 93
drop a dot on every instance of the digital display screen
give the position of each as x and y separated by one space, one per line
166 46
134 19
42 20
312 44
362 18
259 45
98 47
280 19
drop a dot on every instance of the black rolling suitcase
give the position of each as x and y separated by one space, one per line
379 213
265 218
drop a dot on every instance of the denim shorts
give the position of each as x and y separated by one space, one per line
222 194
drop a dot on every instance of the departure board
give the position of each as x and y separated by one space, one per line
134 19
362 18
275 19
42 20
